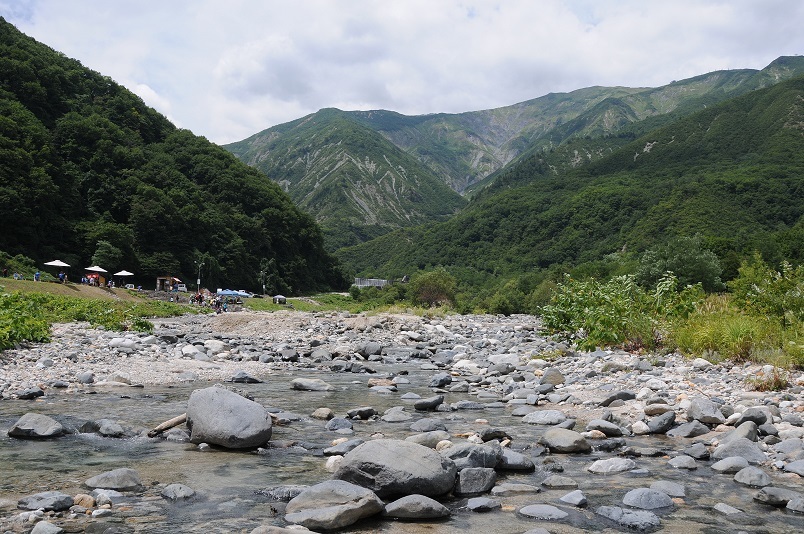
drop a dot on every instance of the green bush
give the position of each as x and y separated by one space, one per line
687 258
763 290
21 320
433 288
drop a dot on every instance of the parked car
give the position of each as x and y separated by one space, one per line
129 286
182 288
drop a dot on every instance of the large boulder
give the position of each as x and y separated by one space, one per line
221 417
36 426
47 501
310 384
331 505
467 455
395 467
416 507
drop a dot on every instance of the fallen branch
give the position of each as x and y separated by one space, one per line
176 421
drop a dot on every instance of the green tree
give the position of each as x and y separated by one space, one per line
107 254
685 257
432 288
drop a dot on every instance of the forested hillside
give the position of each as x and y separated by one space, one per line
356 183
731 173
89 173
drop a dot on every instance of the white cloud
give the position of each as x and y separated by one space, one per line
227 70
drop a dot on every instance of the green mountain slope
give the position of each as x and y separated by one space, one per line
87 169
356 183
732 173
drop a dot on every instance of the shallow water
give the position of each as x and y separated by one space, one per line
227 481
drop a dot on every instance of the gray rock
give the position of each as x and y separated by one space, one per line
515 461
611 465
109 428
647 499
396 416
416 507
310 384
331 505
85 377
483 504
47 500
282 493
474 480
123 479
242 377
691 429
727 510
363 413
467 455
508 489
699 451
639 520
175 492
730 465
796 505
662 423
552 376
776 496
704 410
221 417
796 467
544 512
752 476
394 467
440 380
574 498
545 417
559 482
619 396
428 425
36 426
610 429
338 423
565 441
673 489
682 461
521 411
343 448
429 404
747 430
429 439
756 415
46 527
740 447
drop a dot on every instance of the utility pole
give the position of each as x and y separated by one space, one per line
198 280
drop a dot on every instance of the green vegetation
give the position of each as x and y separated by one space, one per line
28 316
88 172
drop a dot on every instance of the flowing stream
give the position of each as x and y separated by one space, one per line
227 482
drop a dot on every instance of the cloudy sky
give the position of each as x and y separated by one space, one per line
228 69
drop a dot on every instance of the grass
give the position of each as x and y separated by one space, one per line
70 290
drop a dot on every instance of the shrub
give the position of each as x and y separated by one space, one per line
433 288
687 257
763 290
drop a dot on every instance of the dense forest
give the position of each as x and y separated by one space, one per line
89 174
730 174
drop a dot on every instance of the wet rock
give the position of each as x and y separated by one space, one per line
109 428
483 504
673 489
608 428
740 447
331 505
36 426
338 423
123 479
682 461
416 507
559 482
611 465
776 496
544 512
726 510
699 451
545 417
647 499
564 441
221 417
474 480
691 429
619 396
310 384
323 413
752 476
515 461
639 520
282 493
363 413
662 423
47 500
467 455
730 465
508 489
429 439
393 467
175 492
574 498
242 377
440 380
429 404
342 448
428 425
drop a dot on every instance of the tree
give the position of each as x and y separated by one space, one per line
433 288
107 254
687 258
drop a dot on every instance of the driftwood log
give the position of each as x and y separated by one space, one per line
170 423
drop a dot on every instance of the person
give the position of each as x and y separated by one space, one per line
5 272
17 276
36 276
62 276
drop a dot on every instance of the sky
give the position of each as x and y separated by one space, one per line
229 69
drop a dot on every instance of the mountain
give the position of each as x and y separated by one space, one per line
89 173
731 172
356 183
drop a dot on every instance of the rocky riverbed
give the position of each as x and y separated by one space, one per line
389 423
